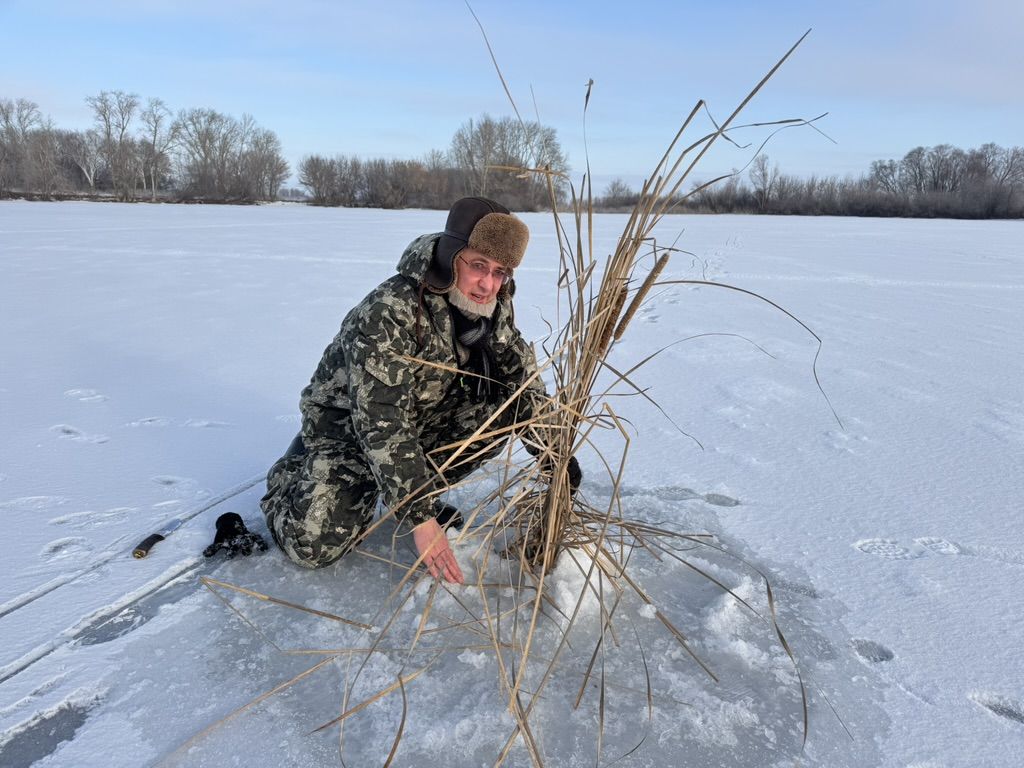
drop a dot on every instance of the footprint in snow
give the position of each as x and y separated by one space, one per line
91 518
876 655
940 546
870 651
33 503
923 545
85 395
676 493
887 549
179 485
163 421
62 549
151 421
1001 706
720 500
206 424
67 432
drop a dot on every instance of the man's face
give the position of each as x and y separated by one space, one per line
477 276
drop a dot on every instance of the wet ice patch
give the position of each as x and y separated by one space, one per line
41 735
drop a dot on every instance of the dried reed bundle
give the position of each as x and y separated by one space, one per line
532 522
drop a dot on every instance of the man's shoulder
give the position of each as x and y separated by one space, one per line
392 303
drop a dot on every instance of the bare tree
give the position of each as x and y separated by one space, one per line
156 139
82 149
764 179
884 176
264 168
495 158
319 177
208 143
617 195
18 119
42 161
113 112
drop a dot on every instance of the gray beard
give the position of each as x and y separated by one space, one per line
468 307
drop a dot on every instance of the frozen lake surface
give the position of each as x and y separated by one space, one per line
150 363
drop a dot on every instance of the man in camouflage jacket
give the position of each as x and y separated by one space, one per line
420 363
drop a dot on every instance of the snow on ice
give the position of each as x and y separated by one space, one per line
152 358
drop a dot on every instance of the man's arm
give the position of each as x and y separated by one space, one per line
380 386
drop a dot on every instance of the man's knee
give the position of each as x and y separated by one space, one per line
316 523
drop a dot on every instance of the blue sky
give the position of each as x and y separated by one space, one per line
397 79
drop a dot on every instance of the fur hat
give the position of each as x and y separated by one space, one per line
481 225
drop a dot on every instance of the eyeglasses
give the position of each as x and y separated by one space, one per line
480 269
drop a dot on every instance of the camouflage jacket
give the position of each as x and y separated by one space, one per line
392 413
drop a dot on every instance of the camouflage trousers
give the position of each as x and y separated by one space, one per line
321 498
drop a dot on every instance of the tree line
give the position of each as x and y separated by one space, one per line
928 182
144 151
487 156
139 150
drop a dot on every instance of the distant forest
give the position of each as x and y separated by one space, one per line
143 151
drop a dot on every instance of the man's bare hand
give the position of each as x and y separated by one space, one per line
432 544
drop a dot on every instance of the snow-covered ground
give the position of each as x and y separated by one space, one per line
150 363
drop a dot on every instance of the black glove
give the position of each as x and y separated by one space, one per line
572 470
448 516
233 536
575 474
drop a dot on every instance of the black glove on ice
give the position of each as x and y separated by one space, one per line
233 536
448 516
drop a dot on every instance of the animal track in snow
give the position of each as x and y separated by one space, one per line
67 432
85 395
886 549
1001 706
870 651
